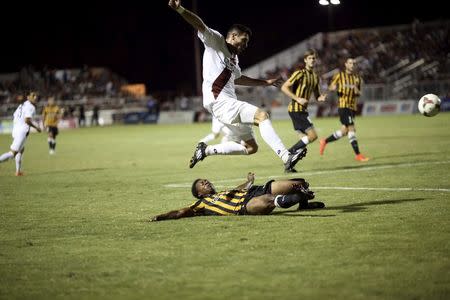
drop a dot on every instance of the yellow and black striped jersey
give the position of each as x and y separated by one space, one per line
305 83
223 203
51 115
345 86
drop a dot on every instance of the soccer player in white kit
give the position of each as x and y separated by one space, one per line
23 117
221 72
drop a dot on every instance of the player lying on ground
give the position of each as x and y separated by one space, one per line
245 199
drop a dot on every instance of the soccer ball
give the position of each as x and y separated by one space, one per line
429 105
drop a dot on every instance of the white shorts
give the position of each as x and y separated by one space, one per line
216 126
232 111
239 132
19 138
238 117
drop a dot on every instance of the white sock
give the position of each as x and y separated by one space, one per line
272 139
351 136
208 138
6 156
305 140
227 148
18 161
337 134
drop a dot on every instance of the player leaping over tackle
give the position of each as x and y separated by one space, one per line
221 72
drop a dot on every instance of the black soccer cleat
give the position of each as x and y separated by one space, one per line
293 159
199 154
315 205
292 170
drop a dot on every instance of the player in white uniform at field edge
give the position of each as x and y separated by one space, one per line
221 72
23 120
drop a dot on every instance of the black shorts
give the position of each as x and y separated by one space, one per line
347 116
53 130
301 121
255 191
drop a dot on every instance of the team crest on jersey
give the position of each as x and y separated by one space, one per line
230 64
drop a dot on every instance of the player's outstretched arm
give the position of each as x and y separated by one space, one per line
248 81
174 214
30 123
188 15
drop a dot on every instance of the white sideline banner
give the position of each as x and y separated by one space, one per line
388 107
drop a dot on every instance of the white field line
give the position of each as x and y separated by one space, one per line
223 183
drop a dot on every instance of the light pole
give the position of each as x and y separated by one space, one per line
330 4
198 58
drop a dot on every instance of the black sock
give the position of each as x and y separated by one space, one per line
331 138
355 146
50 145
298 145
286 201
53 145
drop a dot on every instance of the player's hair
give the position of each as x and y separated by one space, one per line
309 52
239 28
347 58
194 188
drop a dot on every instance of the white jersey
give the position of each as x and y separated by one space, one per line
220 68
25 110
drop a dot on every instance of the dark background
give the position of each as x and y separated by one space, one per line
147 42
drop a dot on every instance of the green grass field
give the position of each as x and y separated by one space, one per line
75 226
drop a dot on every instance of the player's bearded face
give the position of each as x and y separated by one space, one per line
240 42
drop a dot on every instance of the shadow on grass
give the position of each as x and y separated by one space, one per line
300 213
364 205
356 207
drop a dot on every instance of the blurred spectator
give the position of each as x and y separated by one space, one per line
95 113
81 116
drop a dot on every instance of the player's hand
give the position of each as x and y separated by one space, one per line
251 177
154 219
277 82
302 101
174 3
322 97
38 129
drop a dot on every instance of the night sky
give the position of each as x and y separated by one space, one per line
146 41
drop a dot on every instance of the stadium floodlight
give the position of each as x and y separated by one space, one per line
335 2
324 2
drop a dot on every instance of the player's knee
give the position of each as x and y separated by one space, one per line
268 204
251 149
261 115
312 136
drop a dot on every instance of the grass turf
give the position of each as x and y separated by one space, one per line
75 226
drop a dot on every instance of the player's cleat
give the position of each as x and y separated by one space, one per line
199 154
315 205
51 152
361 157
19 173
291 170
293 158
322 146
